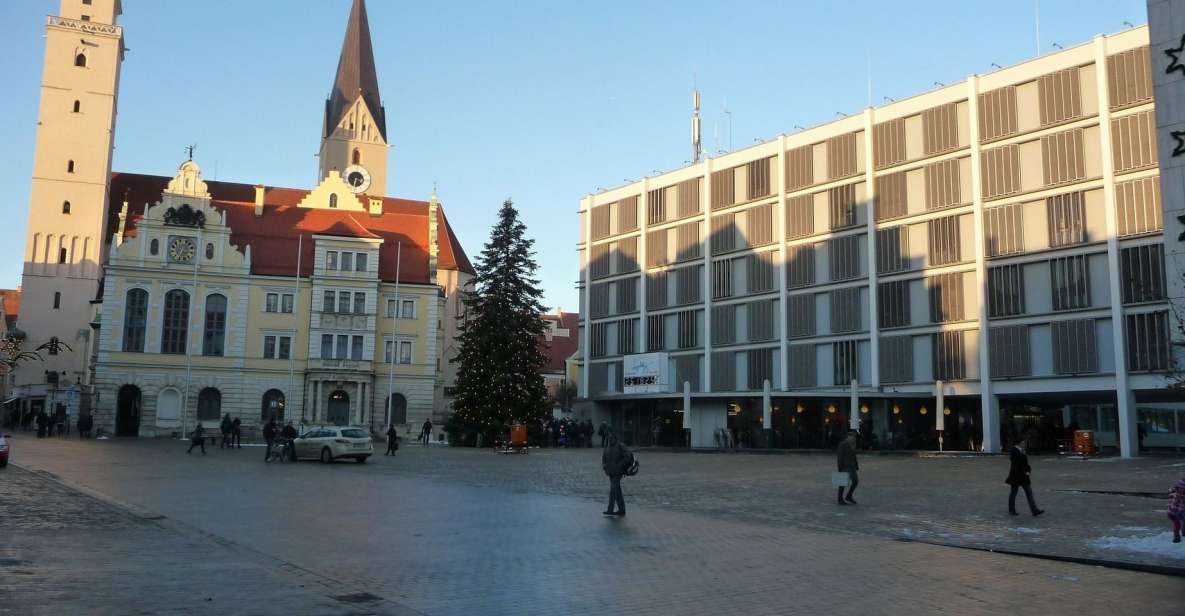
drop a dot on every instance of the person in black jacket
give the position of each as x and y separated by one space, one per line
846 462
236 433
85 423
392 441
1018 477
225 428
269 436
615 460
198 439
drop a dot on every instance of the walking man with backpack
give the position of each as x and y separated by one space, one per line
616 461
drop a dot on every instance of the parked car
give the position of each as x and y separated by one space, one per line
4 449
328 443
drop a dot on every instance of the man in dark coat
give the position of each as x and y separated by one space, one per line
225 428
289 434
236 432
426 432
392 441
85 423
269 436
1018 477
846 462
615 460
198 439
603 432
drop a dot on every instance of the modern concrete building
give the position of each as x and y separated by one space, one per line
183 300
978 263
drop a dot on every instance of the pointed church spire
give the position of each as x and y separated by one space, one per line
356 75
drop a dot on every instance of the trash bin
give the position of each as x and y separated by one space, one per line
518 435
1085 443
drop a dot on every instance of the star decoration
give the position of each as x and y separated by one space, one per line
1175 54
1179 137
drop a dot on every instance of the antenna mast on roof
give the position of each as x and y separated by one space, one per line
695 124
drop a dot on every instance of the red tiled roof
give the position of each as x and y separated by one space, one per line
560 348
273 236
11 298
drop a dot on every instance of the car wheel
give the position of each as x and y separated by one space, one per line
326 455
361 459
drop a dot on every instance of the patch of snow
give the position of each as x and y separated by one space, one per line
103 438
1020 530
1160 544
1131 529
1064 578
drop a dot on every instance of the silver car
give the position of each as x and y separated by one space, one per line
328 443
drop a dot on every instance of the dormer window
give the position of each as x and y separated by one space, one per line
333 200
80 60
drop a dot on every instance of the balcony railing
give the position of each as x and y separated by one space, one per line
84 26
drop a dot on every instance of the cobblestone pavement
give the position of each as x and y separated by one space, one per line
449 531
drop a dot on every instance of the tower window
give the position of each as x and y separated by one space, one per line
80 60
333 200
70 167
77 106
209 251
154 247
86 2
357 159
61 255
57 300
65 207
86 18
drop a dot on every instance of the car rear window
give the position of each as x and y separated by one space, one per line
353 433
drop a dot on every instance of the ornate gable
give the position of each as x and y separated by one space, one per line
332 194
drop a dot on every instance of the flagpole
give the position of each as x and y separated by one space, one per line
188 346
394 343
292 344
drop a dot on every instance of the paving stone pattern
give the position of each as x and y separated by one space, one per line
448 531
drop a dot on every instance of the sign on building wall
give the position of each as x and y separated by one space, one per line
648 373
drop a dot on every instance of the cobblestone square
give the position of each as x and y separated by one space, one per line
138 526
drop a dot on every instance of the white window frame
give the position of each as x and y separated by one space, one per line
364 264
331 260
264 351
389 348
269 305
346 256
287 303
403 304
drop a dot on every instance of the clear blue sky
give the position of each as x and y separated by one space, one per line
540 101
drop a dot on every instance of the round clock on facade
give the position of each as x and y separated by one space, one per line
182 249
358 178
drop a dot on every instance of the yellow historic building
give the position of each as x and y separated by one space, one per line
337 304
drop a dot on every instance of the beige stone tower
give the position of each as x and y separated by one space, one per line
354 133
71 172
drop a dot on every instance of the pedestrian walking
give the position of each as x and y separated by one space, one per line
603 432
846 462
392 441
85 423
426 432
289 434
615 461
1018 477
198 439
1177 508
42 422
225 428
269 437
236 433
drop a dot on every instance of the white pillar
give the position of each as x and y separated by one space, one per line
939 416
989 406
854 414
766 407
687 421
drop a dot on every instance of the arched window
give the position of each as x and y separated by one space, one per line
333 200
396 410
80 60
154 247
70 167
209 405
357 157
62 255
57 300
212 343
135 318
175 326
273 406
209 251
65 207
77 106
168 405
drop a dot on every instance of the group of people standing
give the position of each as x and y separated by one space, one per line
232 432
567 432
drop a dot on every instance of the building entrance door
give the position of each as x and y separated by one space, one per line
339 408
127 411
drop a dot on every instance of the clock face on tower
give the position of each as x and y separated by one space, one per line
181 249
358 178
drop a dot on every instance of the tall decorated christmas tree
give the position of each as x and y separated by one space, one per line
498 380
